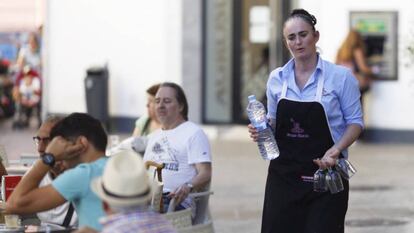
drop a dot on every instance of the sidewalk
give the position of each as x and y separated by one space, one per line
380 196
380 192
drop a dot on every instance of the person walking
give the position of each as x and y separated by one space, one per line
315 110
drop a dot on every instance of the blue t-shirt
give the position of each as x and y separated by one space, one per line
74 186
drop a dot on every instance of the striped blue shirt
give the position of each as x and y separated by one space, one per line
139 220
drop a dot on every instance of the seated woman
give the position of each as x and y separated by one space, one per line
145 125
148 123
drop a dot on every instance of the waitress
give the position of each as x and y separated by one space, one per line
315 110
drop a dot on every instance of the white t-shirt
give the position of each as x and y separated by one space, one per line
179 149
56 215
32 59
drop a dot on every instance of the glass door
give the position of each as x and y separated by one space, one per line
251 51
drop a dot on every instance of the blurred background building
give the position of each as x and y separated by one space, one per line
220 51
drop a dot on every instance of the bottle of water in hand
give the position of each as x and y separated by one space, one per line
266 141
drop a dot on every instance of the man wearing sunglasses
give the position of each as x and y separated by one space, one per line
63 215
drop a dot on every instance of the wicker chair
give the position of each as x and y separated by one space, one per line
179 219
202 211
199 228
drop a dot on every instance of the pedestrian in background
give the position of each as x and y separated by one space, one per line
352 54
29 54
314 108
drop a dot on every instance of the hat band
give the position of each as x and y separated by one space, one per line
107 192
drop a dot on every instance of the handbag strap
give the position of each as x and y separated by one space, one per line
68 216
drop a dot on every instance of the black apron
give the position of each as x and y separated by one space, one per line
291 206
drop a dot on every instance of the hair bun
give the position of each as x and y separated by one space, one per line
305 14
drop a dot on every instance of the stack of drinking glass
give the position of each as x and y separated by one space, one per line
330 179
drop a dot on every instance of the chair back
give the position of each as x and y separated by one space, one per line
202 211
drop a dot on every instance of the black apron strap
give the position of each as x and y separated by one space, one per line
68 216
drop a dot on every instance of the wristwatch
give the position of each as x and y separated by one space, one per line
49 159
189 185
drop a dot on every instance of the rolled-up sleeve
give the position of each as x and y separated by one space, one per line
271 95
350 101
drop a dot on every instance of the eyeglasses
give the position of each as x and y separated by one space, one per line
38 139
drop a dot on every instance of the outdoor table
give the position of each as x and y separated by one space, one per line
33 228
17 169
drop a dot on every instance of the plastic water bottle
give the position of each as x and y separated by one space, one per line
266 141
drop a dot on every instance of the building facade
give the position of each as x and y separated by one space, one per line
220 51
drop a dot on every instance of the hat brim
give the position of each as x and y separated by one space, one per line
96 186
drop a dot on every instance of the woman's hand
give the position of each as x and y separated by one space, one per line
329 158
253 132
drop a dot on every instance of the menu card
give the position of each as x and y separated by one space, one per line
8 183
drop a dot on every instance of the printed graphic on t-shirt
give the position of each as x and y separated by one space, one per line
165 154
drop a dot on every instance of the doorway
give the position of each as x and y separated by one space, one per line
258 49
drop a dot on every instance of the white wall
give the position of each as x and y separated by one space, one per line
140 41
389 104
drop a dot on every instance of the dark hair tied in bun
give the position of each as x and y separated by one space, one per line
303 14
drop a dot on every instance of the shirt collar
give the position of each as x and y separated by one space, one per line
287 69
318 70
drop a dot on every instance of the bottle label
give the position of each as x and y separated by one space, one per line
260 126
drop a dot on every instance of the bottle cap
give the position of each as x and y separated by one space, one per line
251 98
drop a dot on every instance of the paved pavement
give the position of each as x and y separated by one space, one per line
381 193
381 196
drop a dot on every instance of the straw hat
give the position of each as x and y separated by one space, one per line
124 181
